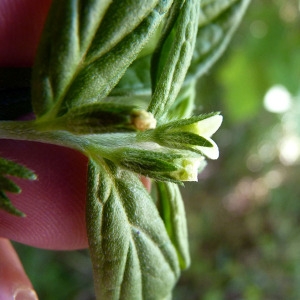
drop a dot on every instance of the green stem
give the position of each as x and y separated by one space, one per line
31 131
92 145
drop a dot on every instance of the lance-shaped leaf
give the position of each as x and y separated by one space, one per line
172 212
179 54
11 168
217 23
86 55
137 79
132 255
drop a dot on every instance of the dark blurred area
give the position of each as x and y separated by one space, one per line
244 213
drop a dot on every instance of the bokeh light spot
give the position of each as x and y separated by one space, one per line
289 150
277 99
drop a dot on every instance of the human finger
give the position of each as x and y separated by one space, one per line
54 204
14 283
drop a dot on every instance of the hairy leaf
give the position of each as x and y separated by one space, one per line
217 23
83 59
8 186
165 43
180 52
11 168
173 213
131 252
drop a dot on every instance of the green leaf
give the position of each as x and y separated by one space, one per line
82 59
173 213
165 43
11 168
136 80
175 66
132 255
7 205
217 23
8 186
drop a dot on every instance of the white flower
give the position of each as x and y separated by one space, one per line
188 168
206 128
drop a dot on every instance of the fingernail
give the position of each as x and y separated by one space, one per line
25 294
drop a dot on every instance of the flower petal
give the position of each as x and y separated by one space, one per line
210 152
209 126
188 170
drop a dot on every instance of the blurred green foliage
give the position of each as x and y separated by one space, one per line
244 214
58 275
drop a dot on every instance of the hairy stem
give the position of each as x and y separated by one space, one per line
31 131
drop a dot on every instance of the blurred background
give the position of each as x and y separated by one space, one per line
244 213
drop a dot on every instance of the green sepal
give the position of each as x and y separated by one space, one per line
172 211
153 161
178 135
153 164
177 125
132 255
175 139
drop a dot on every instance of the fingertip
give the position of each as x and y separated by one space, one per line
25 294
14 283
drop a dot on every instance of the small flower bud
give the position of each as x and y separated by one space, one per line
160 163
142 120
190 134
189 168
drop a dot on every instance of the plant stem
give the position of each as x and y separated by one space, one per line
30 131
92 145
